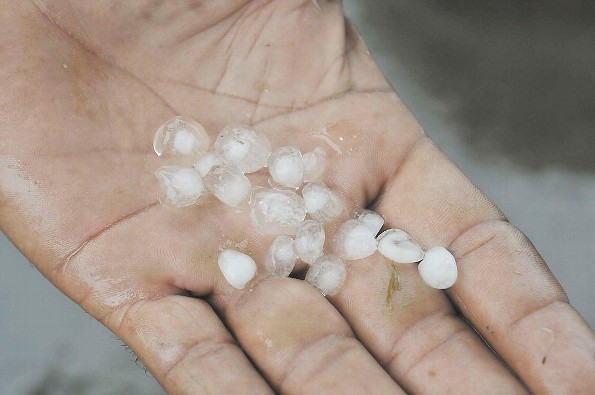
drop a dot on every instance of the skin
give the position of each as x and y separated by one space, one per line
84 87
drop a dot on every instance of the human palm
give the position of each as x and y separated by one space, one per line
86 84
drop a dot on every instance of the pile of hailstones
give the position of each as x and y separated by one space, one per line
279 210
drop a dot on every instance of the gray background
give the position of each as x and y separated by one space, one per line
506 88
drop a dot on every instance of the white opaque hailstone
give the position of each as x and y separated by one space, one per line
438 268
276 211
309 241
321 203
354 240
372 220
399 247
237 268
180 136
281 257
206 163
228 184
180 186
286 167
243 147
327 273
314 164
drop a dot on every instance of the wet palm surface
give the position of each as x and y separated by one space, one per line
506 89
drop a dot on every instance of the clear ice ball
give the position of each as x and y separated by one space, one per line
228 184
180 136
281 257
180 186
321 203
286 167
243 147
309 241
354 240
276 211
327 273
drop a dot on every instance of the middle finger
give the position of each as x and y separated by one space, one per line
298 340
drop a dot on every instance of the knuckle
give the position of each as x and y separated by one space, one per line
310 362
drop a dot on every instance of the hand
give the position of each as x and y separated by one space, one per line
84 87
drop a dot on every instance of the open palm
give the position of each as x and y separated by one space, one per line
84 87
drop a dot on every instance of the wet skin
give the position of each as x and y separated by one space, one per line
84 87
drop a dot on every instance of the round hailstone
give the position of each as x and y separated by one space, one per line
180 186
438 268
398 246
228 184
243 147
180 136
204 164
276 211
321 203
372 220
237 268
287 167
327 273
354 240
281 257
309 241
314 164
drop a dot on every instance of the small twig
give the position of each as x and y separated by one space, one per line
394 283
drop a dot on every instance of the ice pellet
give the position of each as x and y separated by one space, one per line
237 268
276 211
286 167
180 186
314 164
372 219
281 257
321 203
354 240
327 273
228 184
204 164
243 147
399 247
180 136
309 241
438 268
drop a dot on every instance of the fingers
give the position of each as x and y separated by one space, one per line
290 331
299 341
429 197
437 205
186 347
418 336
507 291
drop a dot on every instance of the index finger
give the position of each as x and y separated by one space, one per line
504 287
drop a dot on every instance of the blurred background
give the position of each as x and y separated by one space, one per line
506 88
